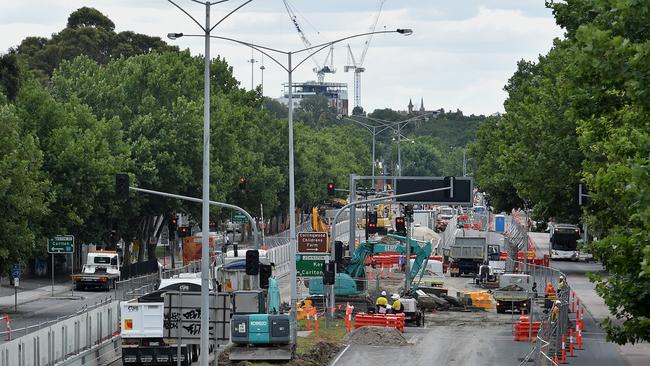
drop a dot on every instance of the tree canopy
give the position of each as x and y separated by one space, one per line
580 114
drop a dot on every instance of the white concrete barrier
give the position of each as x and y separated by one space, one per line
58 342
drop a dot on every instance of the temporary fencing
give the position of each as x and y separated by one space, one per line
380 320
555 336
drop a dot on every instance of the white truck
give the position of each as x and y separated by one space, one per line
102 269
143 327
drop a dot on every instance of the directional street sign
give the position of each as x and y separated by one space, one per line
61 244
308 265
312 242
239 218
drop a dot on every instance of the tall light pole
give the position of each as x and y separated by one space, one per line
252 61
290 68
205 204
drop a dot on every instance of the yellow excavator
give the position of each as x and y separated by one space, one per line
384 219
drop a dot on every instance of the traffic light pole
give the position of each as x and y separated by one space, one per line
213 203
352 207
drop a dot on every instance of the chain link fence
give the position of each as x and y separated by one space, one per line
555 323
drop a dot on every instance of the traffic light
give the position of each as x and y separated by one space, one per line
172 224
252 262
184 231
400 226
338 252
265 273
331 188
329 277
242 183
449 182
408 211
122 186
371 226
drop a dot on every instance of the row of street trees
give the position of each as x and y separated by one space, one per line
581 114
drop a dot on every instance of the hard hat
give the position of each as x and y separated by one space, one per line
383 293
395 297
558 302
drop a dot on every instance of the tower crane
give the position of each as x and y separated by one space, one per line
358 66
320 70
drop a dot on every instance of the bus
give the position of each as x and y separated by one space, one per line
564 241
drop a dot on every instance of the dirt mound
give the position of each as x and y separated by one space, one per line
376 336
320 354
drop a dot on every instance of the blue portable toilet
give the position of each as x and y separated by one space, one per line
499 223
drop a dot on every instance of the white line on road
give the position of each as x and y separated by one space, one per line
340 355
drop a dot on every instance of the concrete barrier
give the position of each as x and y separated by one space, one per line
60 341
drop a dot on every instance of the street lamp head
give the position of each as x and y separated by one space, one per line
174 36
405 31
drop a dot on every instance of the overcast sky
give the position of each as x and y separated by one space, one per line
461 54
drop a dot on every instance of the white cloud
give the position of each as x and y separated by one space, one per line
460 55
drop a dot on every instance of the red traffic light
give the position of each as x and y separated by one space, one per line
330 188
242 183
399 221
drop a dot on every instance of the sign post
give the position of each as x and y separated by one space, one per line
15 274
62 244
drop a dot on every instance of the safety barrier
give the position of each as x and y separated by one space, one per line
56 342
522 329
380 320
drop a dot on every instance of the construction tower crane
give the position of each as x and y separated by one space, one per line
320 70
358 66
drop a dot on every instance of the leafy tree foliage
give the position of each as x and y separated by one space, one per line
581 114
90 33
23 189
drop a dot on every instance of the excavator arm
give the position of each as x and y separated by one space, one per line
422 252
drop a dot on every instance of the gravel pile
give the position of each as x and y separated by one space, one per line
376 336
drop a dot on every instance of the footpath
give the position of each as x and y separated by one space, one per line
634 355
31 290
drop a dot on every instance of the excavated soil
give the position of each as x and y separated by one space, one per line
320 354
376 336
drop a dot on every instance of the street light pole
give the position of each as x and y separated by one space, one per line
292 202
399 150
374 135
205 209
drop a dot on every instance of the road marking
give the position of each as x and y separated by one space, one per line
340 355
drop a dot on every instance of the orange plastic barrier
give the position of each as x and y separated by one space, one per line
522 329
380 320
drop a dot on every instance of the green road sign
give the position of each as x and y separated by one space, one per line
61 244
310 265
239 218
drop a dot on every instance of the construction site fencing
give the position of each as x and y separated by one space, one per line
53 342
555 330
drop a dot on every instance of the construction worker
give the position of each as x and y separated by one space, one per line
397 306
549 296
381 303
561 286
555 312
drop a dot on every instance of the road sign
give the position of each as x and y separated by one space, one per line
61 244
239 218
308 265
463 188
312 242
164 237
16 271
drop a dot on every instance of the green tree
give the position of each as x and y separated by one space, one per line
23 189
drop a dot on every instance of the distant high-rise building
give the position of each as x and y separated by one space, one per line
336 93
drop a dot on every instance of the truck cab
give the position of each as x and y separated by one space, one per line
102 269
